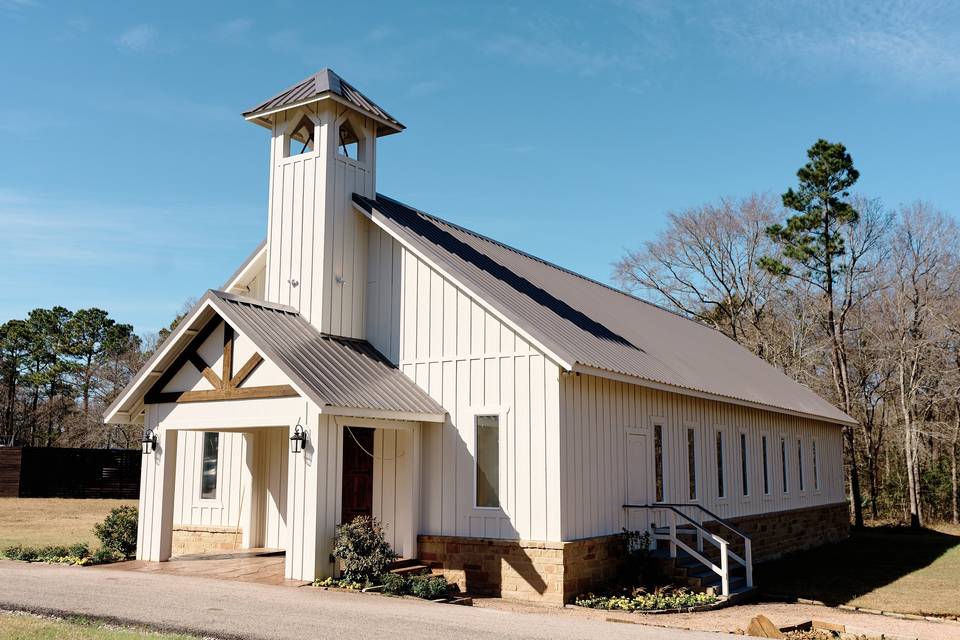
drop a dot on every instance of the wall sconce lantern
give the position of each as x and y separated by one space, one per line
298 439
149 442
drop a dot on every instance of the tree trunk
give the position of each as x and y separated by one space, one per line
955 497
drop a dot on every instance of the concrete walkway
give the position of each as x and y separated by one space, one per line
230 609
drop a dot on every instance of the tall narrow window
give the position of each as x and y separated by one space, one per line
783 464
744 472
721 480
816 467
658 461
800 464
766 465
211 459
488 461
692 463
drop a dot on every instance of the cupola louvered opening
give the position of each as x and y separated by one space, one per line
301 138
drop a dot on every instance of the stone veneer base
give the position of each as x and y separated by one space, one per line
556 572
191 539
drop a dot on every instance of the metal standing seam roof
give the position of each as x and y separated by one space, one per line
591 324
326 81
333 371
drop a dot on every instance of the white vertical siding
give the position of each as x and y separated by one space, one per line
596 415
225 509
469 361
314 236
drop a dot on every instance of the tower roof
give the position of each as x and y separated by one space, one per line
323 85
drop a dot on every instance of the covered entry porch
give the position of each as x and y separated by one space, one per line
309 431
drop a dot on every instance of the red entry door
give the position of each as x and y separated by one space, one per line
357 498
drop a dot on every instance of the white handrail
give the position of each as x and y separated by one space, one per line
702 533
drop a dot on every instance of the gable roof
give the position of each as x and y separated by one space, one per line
596 328
325 83
340 375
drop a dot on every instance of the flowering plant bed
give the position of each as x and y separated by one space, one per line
638 599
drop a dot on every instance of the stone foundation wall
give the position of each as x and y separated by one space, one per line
548 572
190 539
556 572
776 534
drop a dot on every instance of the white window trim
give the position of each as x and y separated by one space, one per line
502 414
743 457
784 455
815 453
218 499
724 447
286 139
658 421
765 466
801 463
697 461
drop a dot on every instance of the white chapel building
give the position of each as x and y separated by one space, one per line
504 418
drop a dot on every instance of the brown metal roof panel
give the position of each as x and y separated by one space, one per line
334 371
314 86
589 323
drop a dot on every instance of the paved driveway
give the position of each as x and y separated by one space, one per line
243 610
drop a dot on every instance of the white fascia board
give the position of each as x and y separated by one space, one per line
480 299
382 414
147 374
253 263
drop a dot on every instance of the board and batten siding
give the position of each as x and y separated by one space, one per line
316 242
597 414
470 362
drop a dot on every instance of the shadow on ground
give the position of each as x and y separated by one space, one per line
926 562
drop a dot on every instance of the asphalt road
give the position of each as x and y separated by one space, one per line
227 609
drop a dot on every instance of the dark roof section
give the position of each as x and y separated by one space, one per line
326 81
332 371
591 324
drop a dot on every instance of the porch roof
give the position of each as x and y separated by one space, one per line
340 375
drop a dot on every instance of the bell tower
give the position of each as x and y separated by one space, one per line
323 150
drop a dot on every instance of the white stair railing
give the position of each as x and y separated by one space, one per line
672 512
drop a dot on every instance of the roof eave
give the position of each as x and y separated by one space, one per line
260 117
661 386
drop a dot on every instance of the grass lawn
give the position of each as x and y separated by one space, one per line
39 522
15 626
884 568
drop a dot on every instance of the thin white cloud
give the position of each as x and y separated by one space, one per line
233 29
17 5
138 38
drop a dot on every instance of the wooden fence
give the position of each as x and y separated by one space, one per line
42 472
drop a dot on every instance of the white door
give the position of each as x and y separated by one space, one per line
638 480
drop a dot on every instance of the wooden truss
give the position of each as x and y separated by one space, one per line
226 386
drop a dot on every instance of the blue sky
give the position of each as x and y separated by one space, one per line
129 181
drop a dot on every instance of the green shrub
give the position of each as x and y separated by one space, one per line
395 584
363 549
428 587
19 552
104 555
78 550
118 531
